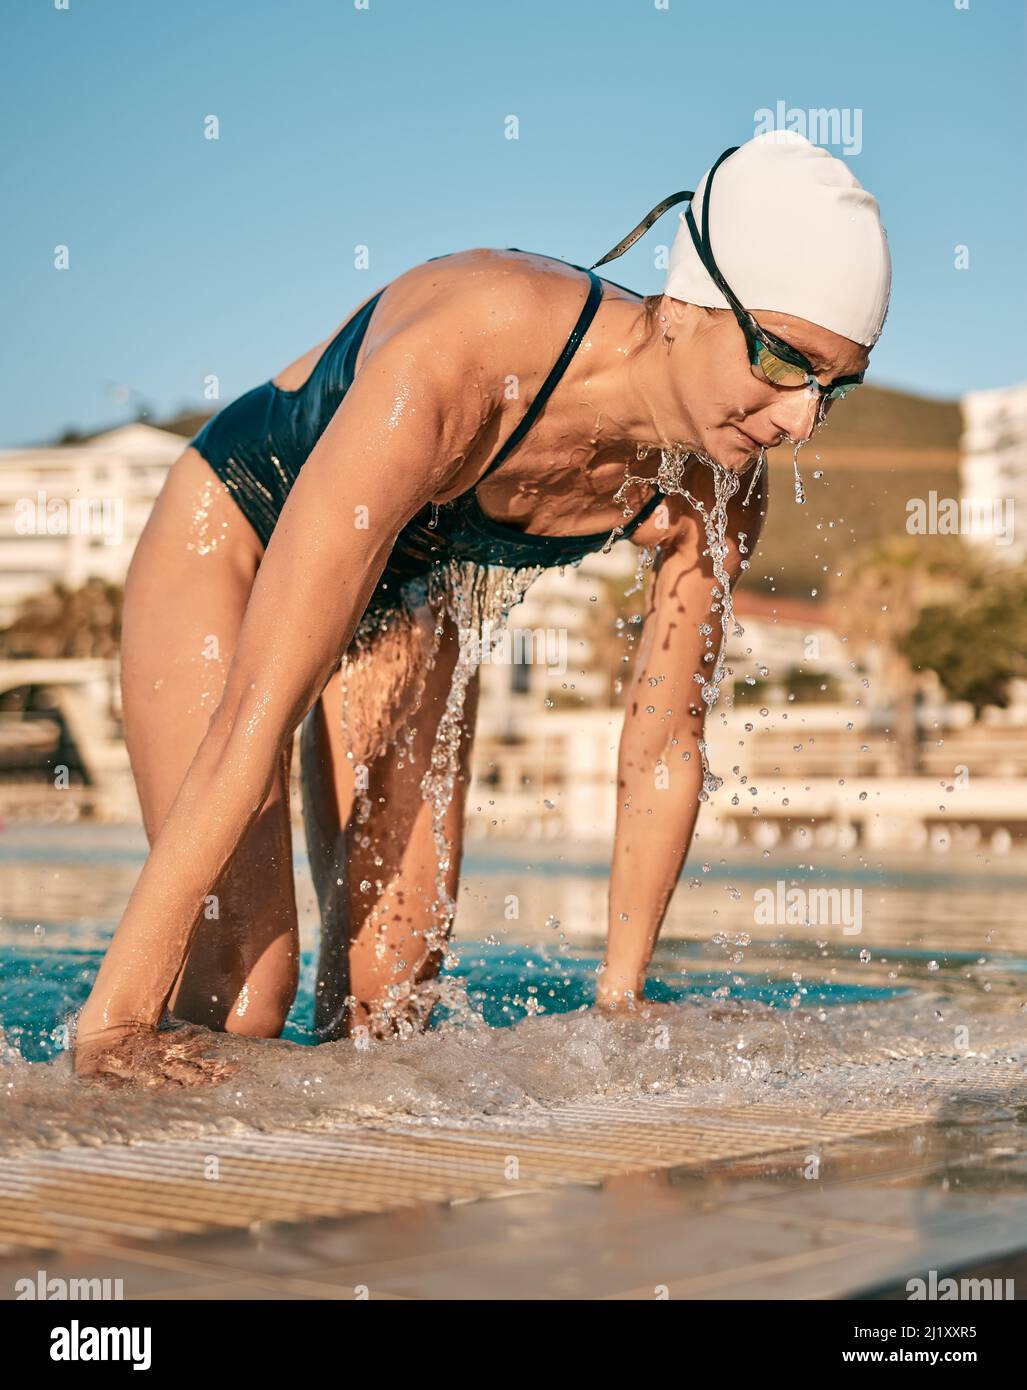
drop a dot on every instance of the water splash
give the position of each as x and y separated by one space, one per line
725 485
612 539
477 599
391 643
201 527
819 420
670 473
646 561
757 473
710 1050
670 478
800 491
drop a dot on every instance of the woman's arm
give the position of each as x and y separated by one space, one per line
397 440
659 774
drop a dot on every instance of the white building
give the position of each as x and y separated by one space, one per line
72 512
993 467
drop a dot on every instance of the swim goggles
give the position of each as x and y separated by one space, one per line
770 359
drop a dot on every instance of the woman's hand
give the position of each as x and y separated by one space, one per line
148 1058
618 993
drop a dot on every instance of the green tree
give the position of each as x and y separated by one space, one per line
976 643
879 599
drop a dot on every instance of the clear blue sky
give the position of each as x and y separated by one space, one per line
384 126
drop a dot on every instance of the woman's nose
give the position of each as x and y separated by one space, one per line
794 414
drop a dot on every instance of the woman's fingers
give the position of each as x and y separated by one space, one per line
159 1059
194 1071
620 1003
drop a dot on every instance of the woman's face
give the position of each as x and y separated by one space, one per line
734 412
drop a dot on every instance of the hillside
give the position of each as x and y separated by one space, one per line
878 417
878 449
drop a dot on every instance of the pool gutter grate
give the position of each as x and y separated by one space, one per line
149 1191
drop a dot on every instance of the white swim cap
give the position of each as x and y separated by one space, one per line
792 230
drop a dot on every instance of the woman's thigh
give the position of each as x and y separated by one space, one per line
185 597
370 832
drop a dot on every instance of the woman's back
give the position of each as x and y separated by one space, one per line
259 443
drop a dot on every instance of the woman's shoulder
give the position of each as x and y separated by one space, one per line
504 312
483 290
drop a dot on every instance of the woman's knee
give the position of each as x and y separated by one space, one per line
238 981
259 1018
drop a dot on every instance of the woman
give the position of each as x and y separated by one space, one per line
338 509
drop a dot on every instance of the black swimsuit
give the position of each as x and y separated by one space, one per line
258 444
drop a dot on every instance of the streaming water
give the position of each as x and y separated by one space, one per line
478 600
392 645
800 491
670 478
757 473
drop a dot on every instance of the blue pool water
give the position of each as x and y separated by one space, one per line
739 1006
40 988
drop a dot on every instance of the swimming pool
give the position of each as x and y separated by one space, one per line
935 970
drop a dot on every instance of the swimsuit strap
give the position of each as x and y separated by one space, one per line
586 316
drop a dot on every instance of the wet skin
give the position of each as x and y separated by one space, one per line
429 405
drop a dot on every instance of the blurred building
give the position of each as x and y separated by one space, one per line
993 464
547 742
71 512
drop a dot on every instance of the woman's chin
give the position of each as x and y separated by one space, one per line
731 451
